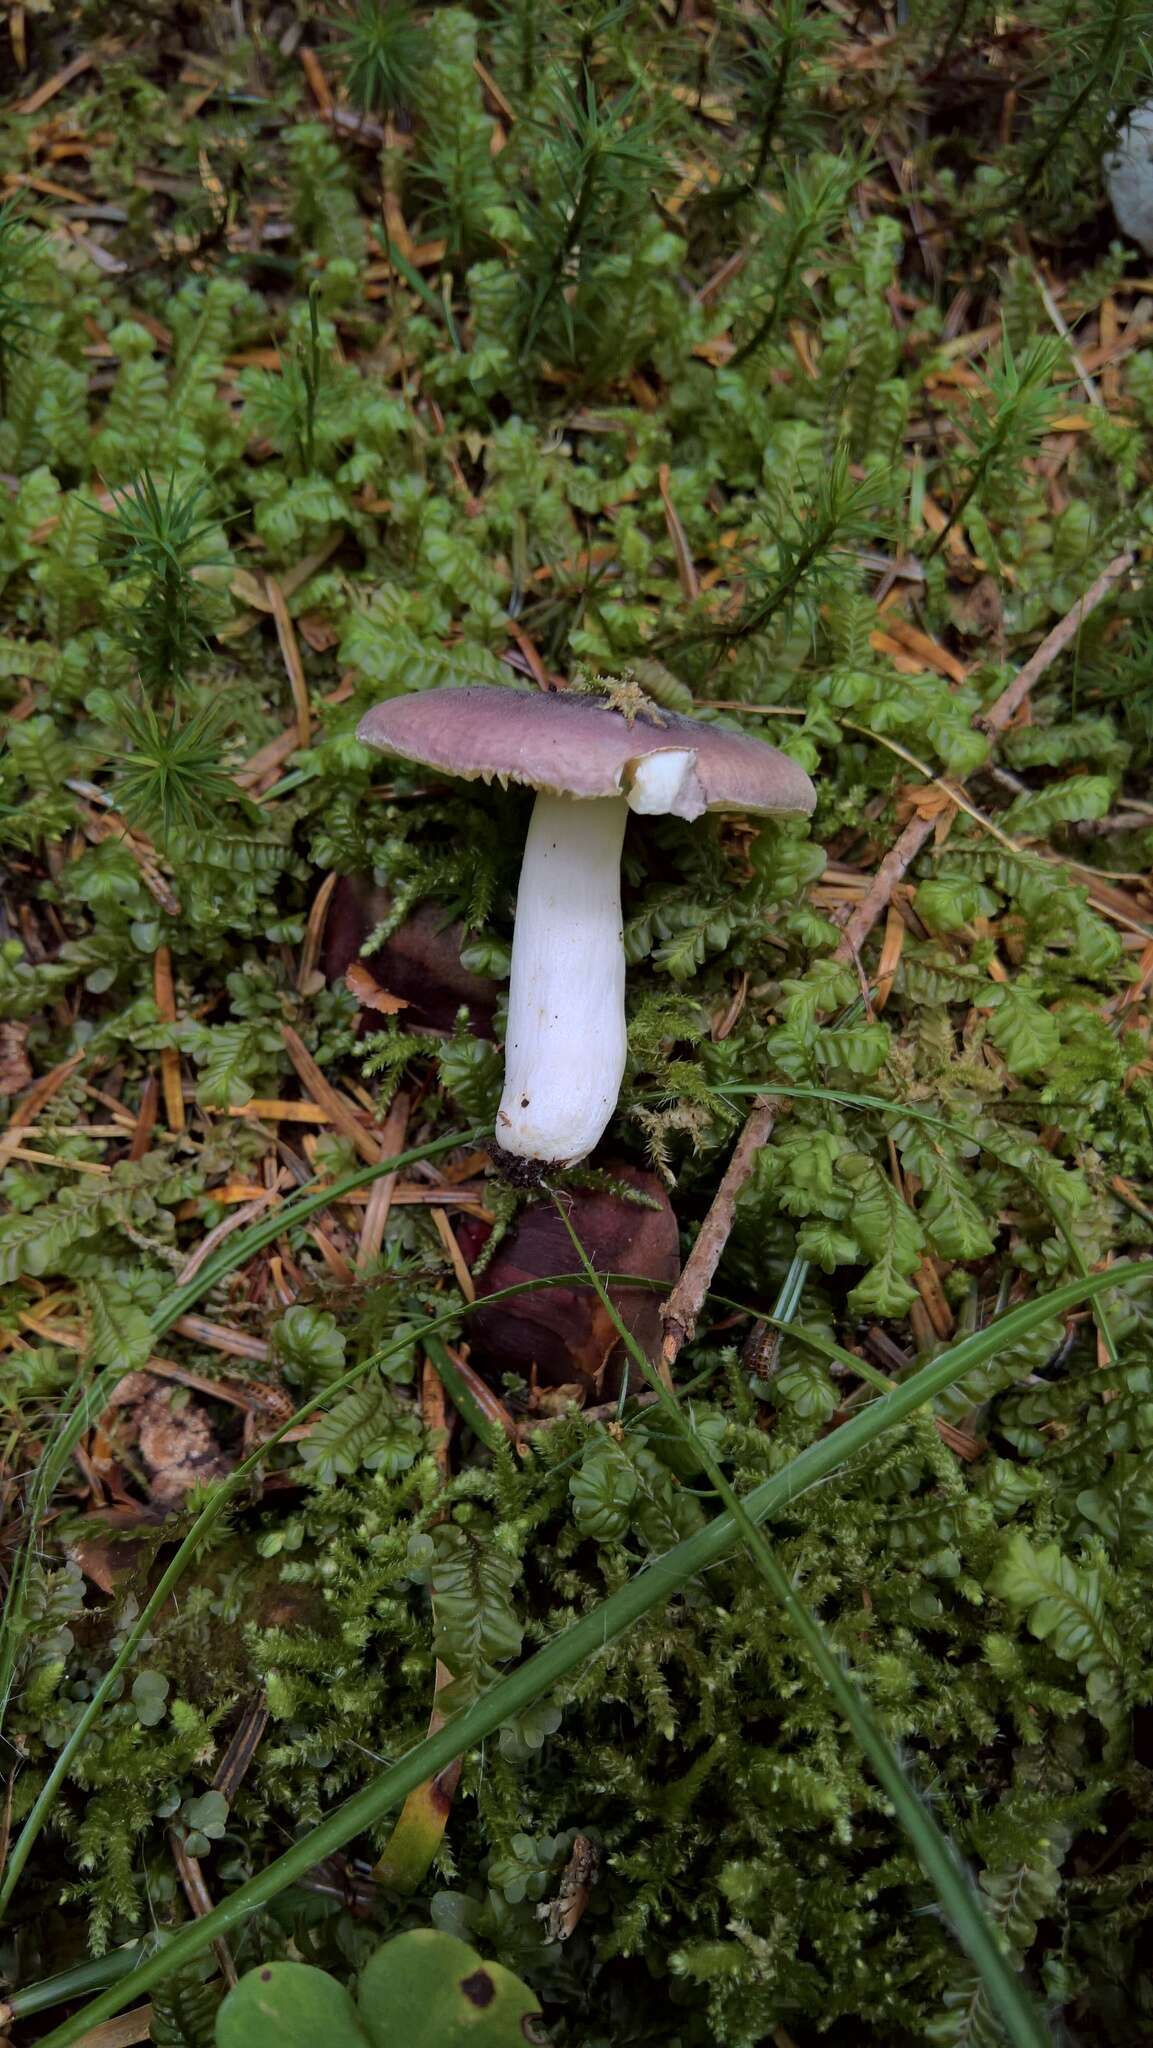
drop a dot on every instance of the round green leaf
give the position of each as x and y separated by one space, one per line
209 1814
429 1990
150 1698
292 2005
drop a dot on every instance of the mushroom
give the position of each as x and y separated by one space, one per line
1128 168
565 1044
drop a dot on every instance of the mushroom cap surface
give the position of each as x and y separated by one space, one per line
577 745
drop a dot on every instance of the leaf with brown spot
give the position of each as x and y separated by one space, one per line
478 1988
423 1989
429 1990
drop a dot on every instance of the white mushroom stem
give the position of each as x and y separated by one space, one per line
565 1043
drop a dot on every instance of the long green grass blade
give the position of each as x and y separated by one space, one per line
73 1983
651 1587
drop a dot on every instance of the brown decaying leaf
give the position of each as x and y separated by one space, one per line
368 993
563 1914
563 1334
15 1072
177 1443
420 962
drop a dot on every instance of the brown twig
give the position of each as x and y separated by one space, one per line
218 1337
683 1306
1054 643
170 1077
28 1108
290 652
900 857
122 2032
195 1889
313 938
447 1236
252 1397
38 1158
239 1217
326 1098
686 567
145 1123
60 79
383 1191
233 1765
318 83
892 870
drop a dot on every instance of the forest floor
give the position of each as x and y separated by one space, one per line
779 365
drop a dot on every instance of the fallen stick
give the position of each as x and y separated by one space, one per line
1054 643
683 1306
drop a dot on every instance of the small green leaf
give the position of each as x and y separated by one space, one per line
602 1490
1065 1602
805 1387
119 1333
477 1624
1063 803
310 1345
888 1233
150 1698
947 903
1026 1033
207 1815
292 2005
366 1427
396 659
429 1990
826 1245
859 1049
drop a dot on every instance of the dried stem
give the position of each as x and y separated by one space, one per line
683 1306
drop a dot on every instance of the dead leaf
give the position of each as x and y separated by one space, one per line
317 632
979 613
563 1914
173 1435
368 992
117 1556
15 1072
421 961
562 1336
927 799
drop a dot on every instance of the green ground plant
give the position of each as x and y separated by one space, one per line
785 361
